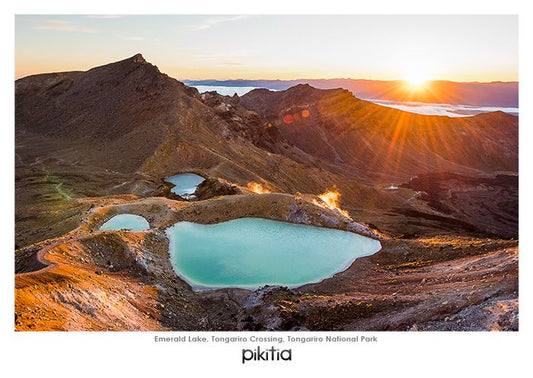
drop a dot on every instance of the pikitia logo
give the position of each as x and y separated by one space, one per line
271 354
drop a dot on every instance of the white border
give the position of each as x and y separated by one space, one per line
396 354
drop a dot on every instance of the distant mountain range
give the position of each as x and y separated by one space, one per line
497 94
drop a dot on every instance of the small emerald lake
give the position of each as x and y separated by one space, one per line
126 222
185 183
252 252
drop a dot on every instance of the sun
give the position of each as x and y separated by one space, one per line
416 79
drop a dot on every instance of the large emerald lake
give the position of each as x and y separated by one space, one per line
251 252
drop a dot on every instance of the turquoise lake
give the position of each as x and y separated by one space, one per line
126 221
185 183
251 252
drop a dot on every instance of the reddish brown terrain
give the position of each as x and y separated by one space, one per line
441 194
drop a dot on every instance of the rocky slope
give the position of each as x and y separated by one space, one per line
440 193
108 280
376 141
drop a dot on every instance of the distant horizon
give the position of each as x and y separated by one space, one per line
265 79
346 78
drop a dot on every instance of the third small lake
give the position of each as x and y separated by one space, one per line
185 183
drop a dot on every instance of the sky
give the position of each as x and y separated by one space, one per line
380 47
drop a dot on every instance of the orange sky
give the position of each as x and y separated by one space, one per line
458 48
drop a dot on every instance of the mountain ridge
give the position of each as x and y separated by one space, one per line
131 97
495 93
127 126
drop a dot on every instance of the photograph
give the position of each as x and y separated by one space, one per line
266 172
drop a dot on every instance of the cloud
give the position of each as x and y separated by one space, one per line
61 25
210 22
442 109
